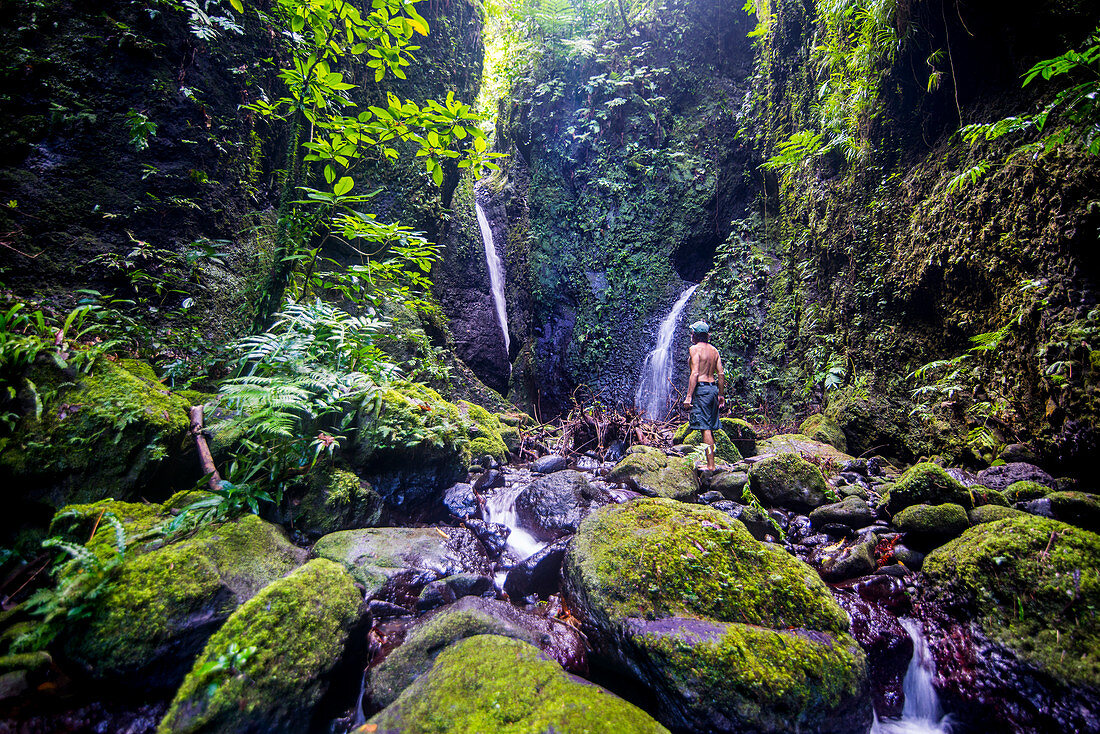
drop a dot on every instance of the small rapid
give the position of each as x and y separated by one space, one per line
496 273
655 384
921 713
501 506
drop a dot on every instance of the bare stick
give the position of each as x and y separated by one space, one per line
206 459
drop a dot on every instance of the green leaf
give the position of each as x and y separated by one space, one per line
237 5
343 186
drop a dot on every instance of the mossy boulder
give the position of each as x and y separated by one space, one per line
280 648
1029 585
742 434
411 445
335 499
468 617
925 484
992 513
724 450
986 496
1025 490
731 634
149 623
1077 508
489 683
932 524
788 480
851 511
804 446
511 436
485 433
103 434
822 428
652 472
375 555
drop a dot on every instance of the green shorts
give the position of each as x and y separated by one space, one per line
704 408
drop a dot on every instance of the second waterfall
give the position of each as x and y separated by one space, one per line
496 273
656 380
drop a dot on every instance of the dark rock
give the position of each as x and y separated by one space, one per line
434 594
549 464
999 477
448 589
538 574
730 483
963 477
851 511
788 480
489 479
492 535
1040 507
837 530
756 521
1076 508
886 643
894 570
462 501
709 498
911 559
554 505
847 562
380 609
1018 453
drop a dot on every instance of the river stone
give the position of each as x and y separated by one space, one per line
296 629
489 683
146 626
335 500
822 428
986 496
447 590
999 477
932 524
989 513
1018 648
467 617
554 505
1077 508
787 480
725 452
462 501
539 573
752 518
649 471
925 484
730 483
375 555
492 535
850 511
548 464
1025 490
729 633
796 443
847 562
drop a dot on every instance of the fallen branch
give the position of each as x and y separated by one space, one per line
206 459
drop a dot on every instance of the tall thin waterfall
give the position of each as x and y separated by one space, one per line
921 713
496 273
653 388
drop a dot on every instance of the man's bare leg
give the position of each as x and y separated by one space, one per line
708 439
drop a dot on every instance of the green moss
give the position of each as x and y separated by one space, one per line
822 428
769 680
1079 508
724 449
932 520
1024 491
297 628
649 468
487 440
1032 585
991 513
336 499
140 522
489 683
986 496
788 480
742 434
926 483
656 558
511 437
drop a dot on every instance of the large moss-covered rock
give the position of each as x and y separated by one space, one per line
851 511
489 683
825 429
788 480
485 433
1077 508
1026 590
731 634
992 513
279 649
165 603
804 446
652 472
333 500
468 617
103 434
932 524
375 555
1025 490
725 452
925 484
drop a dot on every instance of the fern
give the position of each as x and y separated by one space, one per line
968 177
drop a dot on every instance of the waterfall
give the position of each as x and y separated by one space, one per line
921 713
653 389
502 510
496 273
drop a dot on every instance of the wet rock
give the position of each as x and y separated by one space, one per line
448 589
483 681
1015 643
409 557
386 610
962 476
587 463
851 511
462 501
539 574
549 464
926 484
822 428
999 477
709 498
796 443
554 505
1040 507
846 562
492 535
489 479
1024 491
756 521
883 639
1018 453
910 558
649 471
282 646
989 513
686 602
1076 508
787 480
730 483
932 525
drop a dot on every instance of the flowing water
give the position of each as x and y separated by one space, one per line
921 713
502 509
656 380
496 273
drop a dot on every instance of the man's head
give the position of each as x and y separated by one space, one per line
700 332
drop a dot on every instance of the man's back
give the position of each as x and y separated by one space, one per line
705 361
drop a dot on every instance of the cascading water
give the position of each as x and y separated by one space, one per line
921 713
496 273
502 510
653 388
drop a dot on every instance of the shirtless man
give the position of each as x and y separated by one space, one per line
706 399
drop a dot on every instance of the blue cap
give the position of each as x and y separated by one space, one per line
700 327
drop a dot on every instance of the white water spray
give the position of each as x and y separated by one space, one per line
653 389
921 713
496 273
502 510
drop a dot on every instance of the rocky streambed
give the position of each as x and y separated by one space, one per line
786 591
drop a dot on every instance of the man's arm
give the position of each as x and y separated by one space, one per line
721 384
693 365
